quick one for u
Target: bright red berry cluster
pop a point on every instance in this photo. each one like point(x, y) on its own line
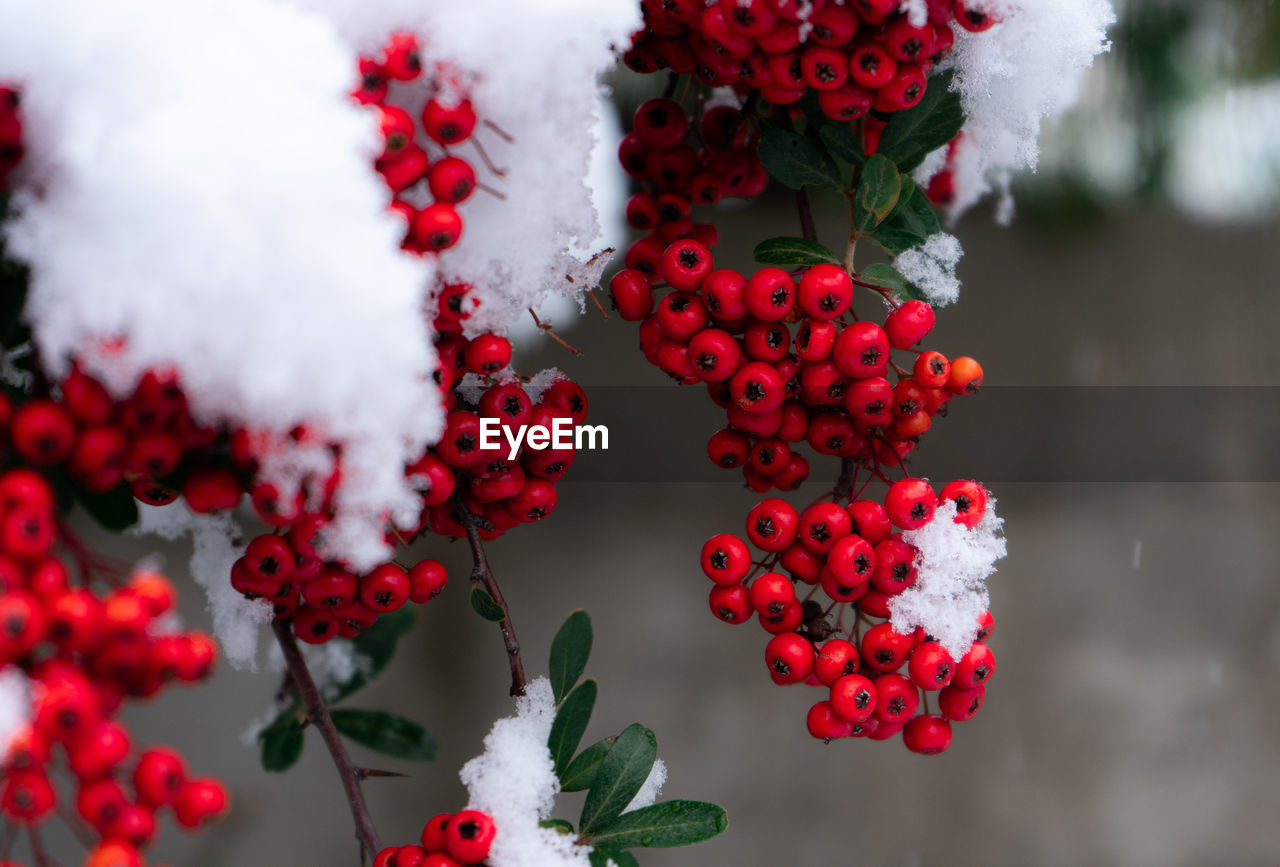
point(853, 555)
point(10, 133)
point(83, 653)
point(448, 840)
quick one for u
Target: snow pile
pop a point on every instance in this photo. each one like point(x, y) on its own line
point(215, 541)
point(651, 789)
point(15, 705)
point(931, 267)
point(514, 781)
point(1010, 77)
point(950, 592)
point(1226, 157)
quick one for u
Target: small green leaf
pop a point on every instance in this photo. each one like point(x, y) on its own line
point(485, 606)
point(281, 742)
point(793, 251)
point(601, 856)
point(910, 135)
point(671, 823)
point(386, 733)
point(838, 138)
point(374, 648)
point(564, 826)
point(910, 224)
point(114, 510)
point(794, 160)
point(569, 651)
point(619, 777)
point(884, 274)
point(571, 723)
point(582, 771)
point(875, 194)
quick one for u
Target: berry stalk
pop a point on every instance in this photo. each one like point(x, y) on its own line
point(480, 572)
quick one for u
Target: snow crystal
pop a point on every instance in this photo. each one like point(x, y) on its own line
point(15, 705)
point(214, 549)
point(951, 591)
point(1010, 77)
point(917, 11)
point(514, 781)
point(931, 267)
point(652, 788)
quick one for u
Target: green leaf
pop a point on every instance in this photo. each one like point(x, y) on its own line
point(600, 857)
point(386, 733)
point(910, 135)
point(374, 648)
point(875, 194)
point(571, 723)
point(910, 224)
point(581, 772)
point(619, 777)
point(794, 160)
point(485, 606)
point(564, 826)
point(793, 251)
point(671, 823)
point(281, 742)
point(569, 651)
point(838, 138)
point(114, 510)
point(884, 274)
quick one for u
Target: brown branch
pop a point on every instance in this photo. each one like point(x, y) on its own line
point(807, 226)
point(844, 485)
point(482, 574)
point(318, 713)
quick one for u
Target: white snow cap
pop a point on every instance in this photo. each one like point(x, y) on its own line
point(15, 705)
point(651, 789)
point(1012, 76)
point(950, 592)
point(514, 781)
point(931, 267)
point(199, 183)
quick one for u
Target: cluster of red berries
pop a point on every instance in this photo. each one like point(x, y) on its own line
point(825, 384)
point(448, 840)
point(855, 557)
point(81, 654)
point(859, 56)
point(10, 133)
point(407, 159)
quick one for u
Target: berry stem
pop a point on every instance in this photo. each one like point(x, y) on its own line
point(38, 854)
point(853, 239)
point(807, 227)
point(546, 328)
point(848, 474)
point(318, 713)
point(481, 573)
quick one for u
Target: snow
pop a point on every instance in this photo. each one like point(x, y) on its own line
point(950, 592)
point(215, 548)
point(651, 789)
point(931, 267)
point(15, 705)
point(514, 781)
point(917, 11)
point(1027, 67)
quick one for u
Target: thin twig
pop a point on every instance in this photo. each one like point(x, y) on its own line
point(807, 226)
point(853, 238)
point(546, 328)
point(844, 485)
point(318, 713)
point(481, 573)
point(599, 306)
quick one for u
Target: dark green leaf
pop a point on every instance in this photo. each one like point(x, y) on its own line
point(485, 606)
point(562, 825)
point(671, 823)
point(571, 723)
point(910, 135)
point(386, 733)
point(569, 651)
point(883, 274)
point(838, 137)
point(794, 160)
point(619, 777)
point(281, 742)
point(374, 648)
point(909, 225)
point(793, 251)
point(114, 510)
point(582, 771)
point(600, 857)
point(875, 194)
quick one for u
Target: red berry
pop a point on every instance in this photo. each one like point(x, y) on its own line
point(853, 698)
point(970, 499)
point(632, 294)
point(790, 658)
point(770, 294)
point(825, 725)
point(731, 604)
point(836, 658)
point(42, 432)
point(448, 125)
point(883, 649)
point(469, 835)
point(959, 704)
point(427, 579)
point(930, 666)
point(927, 735)
point(976, 667)
point(200, 800)
point(726, 559)
point(772, 525)
point(385, 588)
point(909, 324)
point(896, 698)
point(861, 350)
point(910, 503)
point(660, 123)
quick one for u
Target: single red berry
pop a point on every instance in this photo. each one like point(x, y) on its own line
point(970, 499)
point(714, 354)
point(451, 180)
point(772, 594)
point(731, 604)
point(660, 123)
point(972, 19)
point(822, 525)
point(959, 704)
point(861, 350)
point(758, 388)
point(725, 559)
point(930, 666)
point(469, 835)
point(904, 91)
point(315, 625)
point(790, 658)
point(824, 725)
point(200, 800)
point(42, 432)
point(836, 658)
point(823, 67)
point(927, 735)
point(909, 324)
point(965, 377)
point(871, 66)
point(632, 294)
point(883, 649)
point(976, 667)
point(427, 579)
point(853, 698)
point(896, 698)
point(158, 776)
point(448, 125)
point(772, 525)
point(910, 503)
point(385, 588)
point(212, 489)
point(436, 227)
point(770, 294)
point(870, 521)
point(895, 566)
